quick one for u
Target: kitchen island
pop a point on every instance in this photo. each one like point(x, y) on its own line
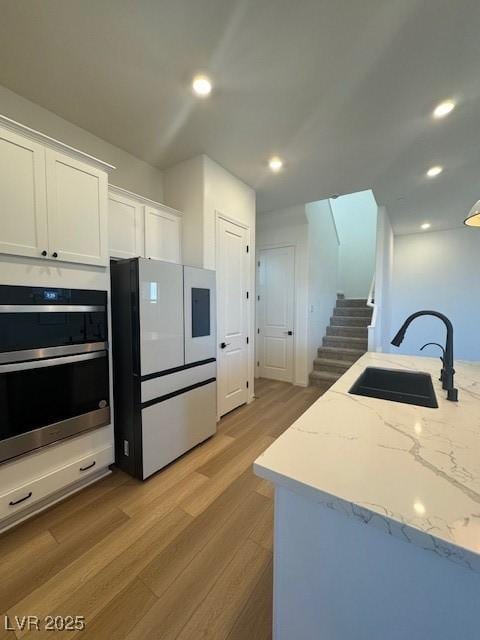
point(377, 513)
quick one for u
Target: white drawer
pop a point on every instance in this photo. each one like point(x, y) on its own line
point(24, 496)
point(163, 385)
point(172, 427)
point(25, 469)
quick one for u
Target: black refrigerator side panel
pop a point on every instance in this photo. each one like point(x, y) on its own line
point(126, 366)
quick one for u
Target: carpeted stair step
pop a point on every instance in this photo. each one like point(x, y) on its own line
point(324, 378)
point(348, 332)
point(359, 312)
point(352, 302)
point(345, 343)
point(334, 353)
point(350, 321)
point(333, 366)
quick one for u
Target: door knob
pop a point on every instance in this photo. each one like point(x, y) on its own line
point(288, 333)
point(44, 253)
point(224, 344)
point(54, 254)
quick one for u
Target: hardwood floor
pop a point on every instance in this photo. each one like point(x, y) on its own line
point(186, 554)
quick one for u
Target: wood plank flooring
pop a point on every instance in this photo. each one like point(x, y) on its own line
point(186, 554)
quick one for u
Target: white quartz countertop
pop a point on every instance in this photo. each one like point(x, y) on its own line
point(413, 472)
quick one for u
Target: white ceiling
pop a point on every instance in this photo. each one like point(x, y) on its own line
point(341, 89)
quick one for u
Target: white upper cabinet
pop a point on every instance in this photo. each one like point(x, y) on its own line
point(53, 198)
point(125, 226)
point(163, 234)
point(77, 210)
point(23, 217)
point(139, 227)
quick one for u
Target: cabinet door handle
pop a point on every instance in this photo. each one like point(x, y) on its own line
point(54, 254)
point(44, 253)
point(12, 503)
point(89, 466)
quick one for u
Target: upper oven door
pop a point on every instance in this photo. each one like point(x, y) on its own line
point(32, 331)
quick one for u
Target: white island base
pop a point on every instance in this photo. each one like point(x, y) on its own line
point(338, 579)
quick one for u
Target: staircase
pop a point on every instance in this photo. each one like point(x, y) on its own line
point(345, 342)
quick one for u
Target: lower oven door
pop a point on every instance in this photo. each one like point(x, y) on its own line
point(43, 401)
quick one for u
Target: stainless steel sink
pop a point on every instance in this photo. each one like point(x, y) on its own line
point(396, 385)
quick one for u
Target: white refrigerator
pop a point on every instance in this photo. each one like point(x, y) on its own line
point(164, 348)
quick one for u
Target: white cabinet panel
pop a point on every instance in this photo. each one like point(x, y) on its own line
point(77, 210)
point(23, 217)
point(163, 235)
point(125, 227)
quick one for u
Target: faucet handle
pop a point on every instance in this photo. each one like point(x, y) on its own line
point(428, 344)
point(442, 357)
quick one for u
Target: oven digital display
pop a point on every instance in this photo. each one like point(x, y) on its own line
point(50, 295)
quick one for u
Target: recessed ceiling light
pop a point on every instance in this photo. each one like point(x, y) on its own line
point(426, 225)
point(434, 171)
point(443, 109)
point(419, 507)
point(275, 164)
point(202, 86)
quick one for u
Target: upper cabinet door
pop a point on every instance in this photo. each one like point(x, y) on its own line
point(163, 235)
point(23, 216)
point(125, 227)
point(77, 210)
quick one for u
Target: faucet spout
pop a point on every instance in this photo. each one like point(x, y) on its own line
point(448, 370)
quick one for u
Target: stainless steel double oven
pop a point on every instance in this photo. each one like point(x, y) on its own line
point(54, 380)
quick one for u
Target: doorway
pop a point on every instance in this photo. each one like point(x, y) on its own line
point(275, 313)
point(232, 324)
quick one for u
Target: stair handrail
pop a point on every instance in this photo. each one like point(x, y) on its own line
point(372, 304)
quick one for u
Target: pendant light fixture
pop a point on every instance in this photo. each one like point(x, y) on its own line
point(473, 218)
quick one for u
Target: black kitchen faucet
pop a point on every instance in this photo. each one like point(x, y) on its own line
point(447, 373)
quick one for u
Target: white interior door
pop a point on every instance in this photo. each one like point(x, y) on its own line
point(232, 314)
point(276, 274)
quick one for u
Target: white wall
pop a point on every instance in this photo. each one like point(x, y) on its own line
point(380, 335)
point(356, 221)
point(289, 227)
point(201, 189)
point(438, 270)
point(323, 273)
point(227, 195)
point(131, 173)
point(184, 188)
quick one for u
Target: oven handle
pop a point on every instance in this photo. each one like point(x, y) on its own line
point(52, 352)
point(49, 308)
point(50, 362)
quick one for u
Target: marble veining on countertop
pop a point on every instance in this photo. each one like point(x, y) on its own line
point(413, 472)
